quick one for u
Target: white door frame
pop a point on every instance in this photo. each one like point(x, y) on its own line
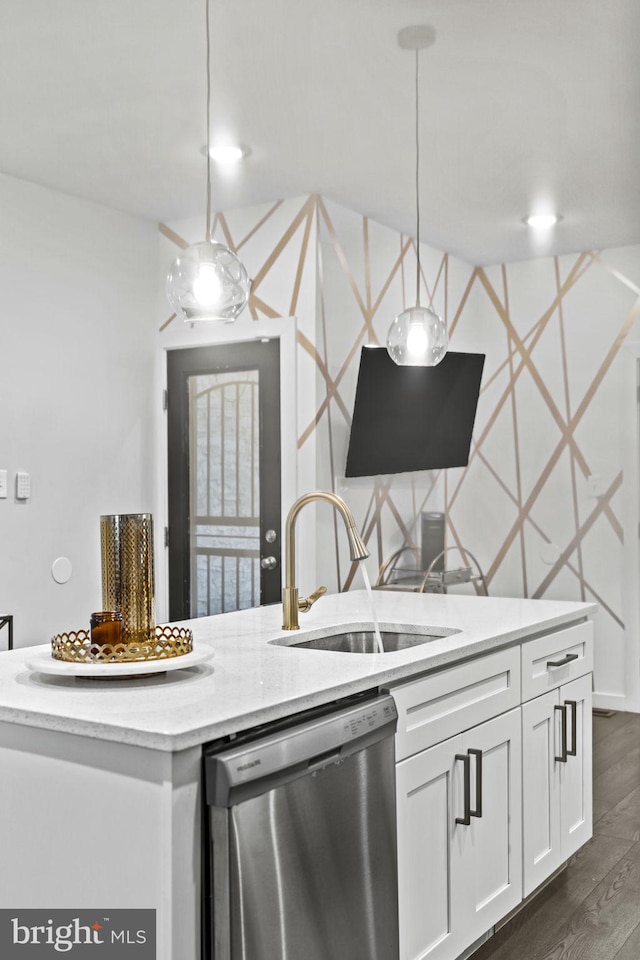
point(202, 335)
point(630, 574)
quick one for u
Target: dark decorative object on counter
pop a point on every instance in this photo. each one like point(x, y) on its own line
point(432, 541)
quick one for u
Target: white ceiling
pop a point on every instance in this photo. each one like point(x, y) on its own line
point(523, 102)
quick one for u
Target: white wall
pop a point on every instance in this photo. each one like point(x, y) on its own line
point(77, 315)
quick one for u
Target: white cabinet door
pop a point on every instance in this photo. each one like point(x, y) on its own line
point(490, 848)
point(557, 788)
point(576, 805)
point(541, 789)
point(425, 807)
point(456, 879)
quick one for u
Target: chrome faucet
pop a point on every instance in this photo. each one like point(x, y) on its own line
point(357, 551)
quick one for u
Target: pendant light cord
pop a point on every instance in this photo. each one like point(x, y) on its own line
point(208, 147)
point(417, 185)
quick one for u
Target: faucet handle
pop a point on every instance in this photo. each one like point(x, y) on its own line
point(305, 603)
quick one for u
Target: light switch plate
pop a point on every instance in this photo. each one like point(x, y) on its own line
point(23, 485)
point(3, 484)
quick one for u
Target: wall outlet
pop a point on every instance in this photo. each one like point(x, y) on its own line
point(3, 484)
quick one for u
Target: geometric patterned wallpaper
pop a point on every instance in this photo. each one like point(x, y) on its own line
point(548, 417)
point(551, 418)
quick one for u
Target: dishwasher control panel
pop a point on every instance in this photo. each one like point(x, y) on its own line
point(367, 718)
point(297, 749)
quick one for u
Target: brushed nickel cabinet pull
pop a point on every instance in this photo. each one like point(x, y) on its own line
point(561, 663)
point(574, 728)
point(563, 757)
point(478, 755)
point(466, 759)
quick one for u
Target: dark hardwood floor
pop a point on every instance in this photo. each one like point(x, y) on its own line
point(591, 911)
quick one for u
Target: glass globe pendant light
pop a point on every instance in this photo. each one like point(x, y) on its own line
point(418, 336)
point(207, 281)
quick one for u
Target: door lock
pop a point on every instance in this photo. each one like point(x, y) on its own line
point(271, 536)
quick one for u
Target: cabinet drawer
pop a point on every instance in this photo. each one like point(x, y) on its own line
point(556, 658)
point(440, 705)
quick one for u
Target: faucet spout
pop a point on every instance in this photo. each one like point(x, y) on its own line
point(357, 551)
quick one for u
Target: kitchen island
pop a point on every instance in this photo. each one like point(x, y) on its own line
point(100, 790)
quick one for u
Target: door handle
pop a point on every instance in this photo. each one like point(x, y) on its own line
point(466, 759)
point(565, 660)
point(478, 755)
point(574, 728)
point(268, 563)
point(563, 757)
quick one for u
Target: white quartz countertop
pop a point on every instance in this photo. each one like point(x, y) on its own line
point(250, 681)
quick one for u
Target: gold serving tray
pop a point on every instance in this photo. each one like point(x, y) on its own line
point(168, 642)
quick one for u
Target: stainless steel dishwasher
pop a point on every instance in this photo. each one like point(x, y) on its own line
point(301, 840)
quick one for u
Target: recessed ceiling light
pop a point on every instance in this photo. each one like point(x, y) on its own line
point(227, 153)
point(542, 221)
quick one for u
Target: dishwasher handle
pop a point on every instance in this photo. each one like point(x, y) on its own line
point(324, 760)
point(237, 774)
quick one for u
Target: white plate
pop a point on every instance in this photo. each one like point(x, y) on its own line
point(44, 663)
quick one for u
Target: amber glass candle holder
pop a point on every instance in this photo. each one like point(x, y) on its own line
point(106, 629)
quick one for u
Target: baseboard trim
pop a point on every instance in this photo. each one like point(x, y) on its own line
point(612, 701)
point(476, 946)
point(534, 893)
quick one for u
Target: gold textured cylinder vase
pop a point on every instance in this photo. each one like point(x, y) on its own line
point(127, 573)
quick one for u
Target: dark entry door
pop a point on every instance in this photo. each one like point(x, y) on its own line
point(224, 477)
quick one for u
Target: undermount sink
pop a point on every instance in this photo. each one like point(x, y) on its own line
point(364, 641)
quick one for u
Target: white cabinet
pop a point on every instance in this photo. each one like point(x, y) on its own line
point(87, 821)
point(557, 786)
point(459, 838)
point(521, 718)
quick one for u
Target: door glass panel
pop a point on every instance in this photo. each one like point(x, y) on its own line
point(224, 496)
